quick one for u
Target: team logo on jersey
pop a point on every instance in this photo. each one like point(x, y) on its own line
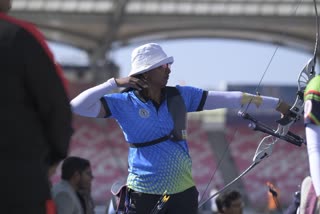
point(144, 113)
point(307, 108)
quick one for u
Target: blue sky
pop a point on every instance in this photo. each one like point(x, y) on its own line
point(211, 63)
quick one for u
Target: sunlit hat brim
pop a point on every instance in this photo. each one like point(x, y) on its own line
point(143, 69)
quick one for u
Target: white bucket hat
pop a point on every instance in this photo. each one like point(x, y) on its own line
point(148, 57)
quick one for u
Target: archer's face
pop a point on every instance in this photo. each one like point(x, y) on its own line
point(159, 76)
point(5, 5)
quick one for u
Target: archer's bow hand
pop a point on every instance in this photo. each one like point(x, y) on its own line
point(283, 107)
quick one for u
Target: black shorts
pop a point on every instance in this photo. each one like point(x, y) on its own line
point(185, 202)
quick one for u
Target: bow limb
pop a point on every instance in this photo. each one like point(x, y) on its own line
point(228, 185)
point(263, 151)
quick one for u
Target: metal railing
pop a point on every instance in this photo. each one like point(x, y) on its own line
point(189, 7)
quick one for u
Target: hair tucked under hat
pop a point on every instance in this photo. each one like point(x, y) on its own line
point(147, 57)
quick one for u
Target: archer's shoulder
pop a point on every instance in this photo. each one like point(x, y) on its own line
point(187, 88)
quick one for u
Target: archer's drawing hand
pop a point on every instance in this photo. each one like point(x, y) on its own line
point(131, 82)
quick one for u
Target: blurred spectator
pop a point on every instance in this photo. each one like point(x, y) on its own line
point(72, 193)
point(36, 116)
point(230, 202)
